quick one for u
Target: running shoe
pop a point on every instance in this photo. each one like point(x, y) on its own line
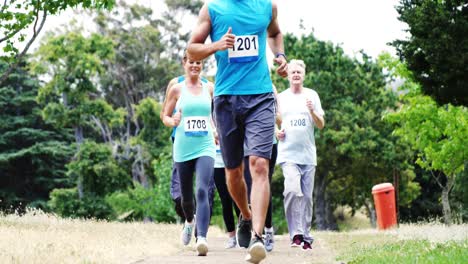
point(269, 239)
point(231, 242)
point(256, 252)
point(297, 241)
point(244, 232)
point(306, 246)
point(202, 246)
point(186, 234)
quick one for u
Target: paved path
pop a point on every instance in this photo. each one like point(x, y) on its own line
point(282, 254)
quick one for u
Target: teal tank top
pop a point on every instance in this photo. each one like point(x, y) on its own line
point(194, 135)
point(180, 79)
point(243, 69)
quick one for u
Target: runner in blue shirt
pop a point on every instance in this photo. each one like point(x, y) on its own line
point(244, 101)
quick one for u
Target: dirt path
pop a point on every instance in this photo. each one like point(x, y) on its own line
point(282, 254)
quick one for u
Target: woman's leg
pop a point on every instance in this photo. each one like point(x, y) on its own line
point(186, 170)
point(204, 172)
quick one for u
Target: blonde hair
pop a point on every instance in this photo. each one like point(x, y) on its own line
point(299, 63)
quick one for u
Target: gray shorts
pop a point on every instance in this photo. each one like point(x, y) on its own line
point(245, 121)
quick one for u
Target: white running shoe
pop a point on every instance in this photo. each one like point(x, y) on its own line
point(186, 234)
point(202, 246)
point(231, 242)
point(269, 239)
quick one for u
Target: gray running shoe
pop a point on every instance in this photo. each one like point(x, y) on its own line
point(256, 252)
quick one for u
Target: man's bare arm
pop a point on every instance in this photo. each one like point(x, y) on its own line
point(275, 41)
point(197, 49)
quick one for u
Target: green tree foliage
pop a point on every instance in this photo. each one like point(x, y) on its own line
point(142, 203)
point(99, 170)
point(154, 134)
point(138, 71)
point(17, 16)
point(356, 150)
point(437, 50)
point(100, 174)
point(142, 68)
point(33, 154)
point(66, 203)
point(74, 62)
point(437, 133)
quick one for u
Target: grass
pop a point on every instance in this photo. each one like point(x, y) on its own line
point(346, 222)
point(413, 251)
point(42, 238)
point(415, 243)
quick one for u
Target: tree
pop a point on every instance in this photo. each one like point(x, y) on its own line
point(355, 149)
point(140, 71)
point(33, 154)
point(437, 50)
point(17, 16)
point(74, 62)
point(438, 134)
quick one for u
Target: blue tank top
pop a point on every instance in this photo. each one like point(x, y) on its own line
point(243, 69)
point(194, 135)
point(180, 79)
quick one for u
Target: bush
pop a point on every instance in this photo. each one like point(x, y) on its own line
point(100, 172)
point(65, 202)
point(139, 203)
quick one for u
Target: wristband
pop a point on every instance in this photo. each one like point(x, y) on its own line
point(281, 54)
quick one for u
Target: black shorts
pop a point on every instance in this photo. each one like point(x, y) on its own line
point(245, 121)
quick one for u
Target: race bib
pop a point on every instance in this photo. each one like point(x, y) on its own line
point(245, 49)
point(196, 126)
point(297, 122)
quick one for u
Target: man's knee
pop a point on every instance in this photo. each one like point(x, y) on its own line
point(259, 167)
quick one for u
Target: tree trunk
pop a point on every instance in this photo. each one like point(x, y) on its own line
point(324, 217)
point(445, 200)
point(372, 216)
point(331, 220)
point(79, 140)
point(138, 167)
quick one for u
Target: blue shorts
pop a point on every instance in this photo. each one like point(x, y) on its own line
point(245, 121)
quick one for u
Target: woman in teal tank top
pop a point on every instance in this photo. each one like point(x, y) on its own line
point(194, 148)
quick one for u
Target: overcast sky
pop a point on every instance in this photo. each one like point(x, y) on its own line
point(354, 24)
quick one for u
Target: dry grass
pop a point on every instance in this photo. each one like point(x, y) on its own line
point(433, 232)
point(42, 238)
point(346, 222)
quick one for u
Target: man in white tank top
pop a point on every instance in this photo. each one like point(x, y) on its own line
point(301, 111)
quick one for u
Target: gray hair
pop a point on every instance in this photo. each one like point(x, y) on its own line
point(299, 63)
